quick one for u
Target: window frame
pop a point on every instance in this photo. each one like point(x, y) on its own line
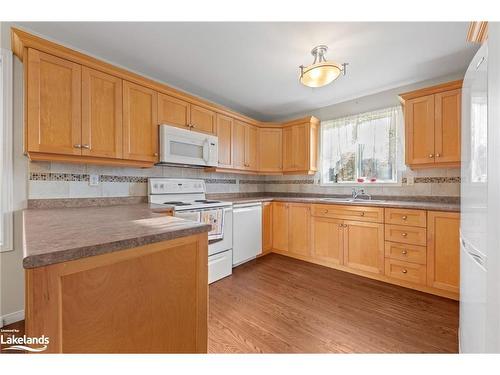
point(399, 173)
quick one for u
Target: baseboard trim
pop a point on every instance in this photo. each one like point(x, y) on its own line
point(7, 319)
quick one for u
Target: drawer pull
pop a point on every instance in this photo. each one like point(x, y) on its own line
point(404, 252)
point(404, 270)
point(404, 234)
point(431, 155)
point(362, 214)
point(404, 217)
point(325, 211)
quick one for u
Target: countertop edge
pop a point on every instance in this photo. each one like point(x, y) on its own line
point(41, 260)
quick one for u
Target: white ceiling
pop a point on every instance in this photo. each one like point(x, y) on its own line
point(253, 67)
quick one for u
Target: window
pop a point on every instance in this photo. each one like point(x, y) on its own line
point(6, 188)
point(362, 149)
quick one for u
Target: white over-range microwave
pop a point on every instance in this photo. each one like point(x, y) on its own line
point(186, 147)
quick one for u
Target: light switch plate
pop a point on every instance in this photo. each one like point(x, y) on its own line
point(410, 180)
point(93, 179)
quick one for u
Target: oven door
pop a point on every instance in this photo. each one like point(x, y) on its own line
point(186, 147)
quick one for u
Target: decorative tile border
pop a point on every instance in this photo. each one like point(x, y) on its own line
point(434, 180)
point(289, 182)
point(220, 181)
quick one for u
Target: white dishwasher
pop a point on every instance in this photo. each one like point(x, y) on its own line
point(247, 232)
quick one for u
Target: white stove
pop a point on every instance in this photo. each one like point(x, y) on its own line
point(188, 196)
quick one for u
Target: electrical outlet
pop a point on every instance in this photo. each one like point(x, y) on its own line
point(410, 180)
point(93, 179)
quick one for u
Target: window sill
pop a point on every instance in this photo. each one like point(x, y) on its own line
point(362, 184)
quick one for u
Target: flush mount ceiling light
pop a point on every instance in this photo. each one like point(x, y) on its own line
point(320, 72)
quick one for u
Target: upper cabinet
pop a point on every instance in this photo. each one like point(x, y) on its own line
point(53, 108)
point(225, 136)
point(432, 123)
point(202, 119)
point(271, 149)
point(140, 124)
point(173, 111)
point(245, 146)
point(300, 146)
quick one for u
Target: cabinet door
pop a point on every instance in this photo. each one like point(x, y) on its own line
point(225, 135)
point(419, 118)
point(53, 107)
point(173, 111)
point(280, 226)
point(288, 159)
point(327, 239)
point(270, 150)
point(447, 136)
point(267, 227)
point(300, 142)
point(101, 114)
point(443, 250)
point(251, 144)
point(140, 124)
point(239, 144)
point(364, 246)
point(202, 119)
point(299, 229)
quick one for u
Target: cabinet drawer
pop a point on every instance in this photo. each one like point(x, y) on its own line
point(412, 272)
point(404, 234)
point(359, 213)
point(398, 216)
point(406, 252)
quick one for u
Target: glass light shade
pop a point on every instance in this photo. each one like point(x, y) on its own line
point(320, 74)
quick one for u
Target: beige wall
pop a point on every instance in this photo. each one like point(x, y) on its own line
point(11, 271)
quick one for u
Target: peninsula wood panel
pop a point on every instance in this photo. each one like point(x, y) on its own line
point(225, 136)
point(299, 228)
point(419, 119)
point(448, 126)
point(173, 111)
point(327, 239)
point(443, 250)
point(267, 227)
point(140, 123)
point(280, 226)
point(150, 299)
point(270, 150)
point(364, 246)
point(53, 111)
point(101, 114)
point(202, 119)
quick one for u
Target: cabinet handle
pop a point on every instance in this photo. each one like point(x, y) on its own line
point(77, 146)
point(345, 225)
point(404, 234)
point(155, 154)
point(325, 211)
point(404, 252)
point(404, 270)
point(193, 125)
point(438, 155)
point(86, 146)
point(431, 156)
point(362, 214)
point(404, 217)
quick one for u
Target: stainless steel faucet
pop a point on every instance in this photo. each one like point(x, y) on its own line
point(360, 193)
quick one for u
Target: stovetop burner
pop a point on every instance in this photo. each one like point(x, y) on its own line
point(178, 203)
point(206, 201)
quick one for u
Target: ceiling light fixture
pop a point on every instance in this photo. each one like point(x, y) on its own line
point(320, 72)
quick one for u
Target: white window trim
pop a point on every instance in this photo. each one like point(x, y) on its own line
point(364, 185)
point(6, 160)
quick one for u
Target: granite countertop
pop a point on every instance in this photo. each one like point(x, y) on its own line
point(56, 235)
point(421, 205)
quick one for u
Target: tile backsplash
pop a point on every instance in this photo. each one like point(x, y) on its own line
point(57, 180)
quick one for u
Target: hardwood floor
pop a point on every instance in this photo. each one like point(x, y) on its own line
point(277, 304)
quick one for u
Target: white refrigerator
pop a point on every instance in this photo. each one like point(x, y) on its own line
point(479, 327)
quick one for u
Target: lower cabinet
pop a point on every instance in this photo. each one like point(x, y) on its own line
point(299, 219)
point(267, 227)
point(280, 226)
point(327, 239)
point(364, 246)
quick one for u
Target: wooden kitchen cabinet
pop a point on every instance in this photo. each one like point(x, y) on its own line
point(364, 246)
point(245, 140)
point(280, 226)
point(270, 149)
point(101, 114)
point(300, 146)
point(140, 123)
point(432, 123)
point(251, 148)
point(202, 119)
point(327, 239)
point(225, 135)
point(173, 111)
point(443, 250)
point(299, 228)
point(267, 227)
point(53, 107)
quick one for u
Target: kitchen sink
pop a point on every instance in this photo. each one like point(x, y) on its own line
point(352, 200)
